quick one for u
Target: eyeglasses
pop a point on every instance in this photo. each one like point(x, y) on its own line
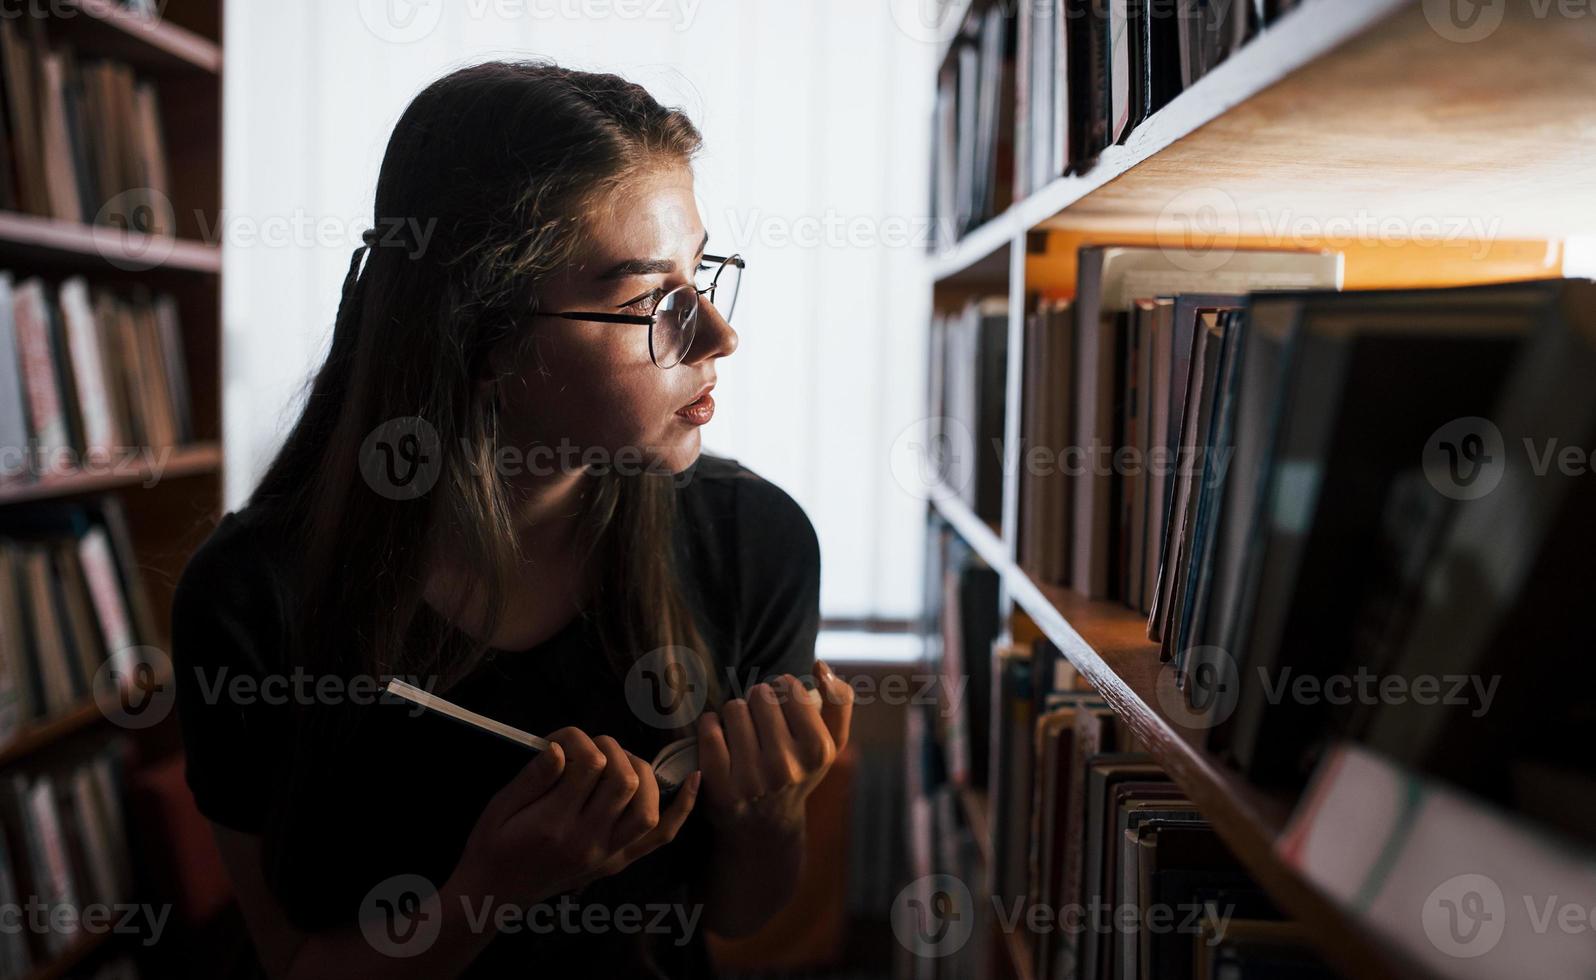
point(675, 317)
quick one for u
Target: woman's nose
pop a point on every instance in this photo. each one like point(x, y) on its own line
point(714, 336)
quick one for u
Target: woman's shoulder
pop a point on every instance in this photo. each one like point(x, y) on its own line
point(771, 555)
point(232, 586)
point(764, 515)
point(238, 550)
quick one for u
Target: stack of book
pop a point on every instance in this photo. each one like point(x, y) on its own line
point(64, 860)
point(1088, 72)
point(968, 401)
point(87, 375)
point(70, 596)
point(972, 154)
point(1109, 375)
point(79, 135)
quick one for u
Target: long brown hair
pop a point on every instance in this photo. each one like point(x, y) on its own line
point(483, 189)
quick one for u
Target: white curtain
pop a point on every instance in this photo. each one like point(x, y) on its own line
point(816, 115)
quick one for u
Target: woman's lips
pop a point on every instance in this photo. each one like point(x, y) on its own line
point(698, 412)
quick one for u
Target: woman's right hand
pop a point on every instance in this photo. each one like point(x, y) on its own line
point(582, 810)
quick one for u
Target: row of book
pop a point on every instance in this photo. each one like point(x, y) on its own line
point(1089, 72)
point(1187, 414)
point(1084, 818)
point(1129, 878)
point(967, 398)
point(80, 134)
point(943, 850)
point(972, 155)
point(70, 597)
point(1107, 375)
point(1395, 492)
point(65, 851)
point(1033, 91)
point(87, 372)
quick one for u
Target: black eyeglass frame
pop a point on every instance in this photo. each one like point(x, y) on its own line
point(720, 262)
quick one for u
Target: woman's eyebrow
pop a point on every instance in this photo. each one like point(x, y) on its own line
point(646, 267)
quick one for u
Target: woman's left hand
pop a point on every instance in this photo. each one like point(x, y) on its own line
point(762, 756)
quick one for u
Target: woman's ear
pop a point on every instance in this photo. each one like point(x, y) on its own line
point(499, 362)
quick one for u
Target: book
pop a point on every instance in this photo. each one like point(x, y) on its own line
point(1454, 883)
point(673, 763)
point(17, 701)
point(1045, 435)
point(47, 420)
point(1110, 279)
point(83, 351)
point(1343, 468)
point(82, 135)
point(13, 393)
point(15, 960)
point(1499, 577)
point(1196, 415)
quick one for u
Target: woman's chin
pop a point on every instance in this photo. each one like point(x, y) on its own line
point(683, 453)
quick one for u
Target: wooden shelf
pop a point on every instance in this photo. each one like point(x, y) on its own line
point(103, 28)
point(35, 240)
point(1108, 644)
point(194, 460)
point(85, 946)
point(1349, 117)
point(981, 256)
point(38, 735)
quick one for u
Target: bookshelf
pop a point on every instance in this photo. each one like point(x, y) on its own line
point(1295, 121)
point(1340, 110)
point(1108, 644)
point(169, 495)
point(180, 53)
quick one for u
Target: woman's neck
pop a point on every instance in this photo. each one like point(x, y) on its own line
point(546, 517)
point(546, 510)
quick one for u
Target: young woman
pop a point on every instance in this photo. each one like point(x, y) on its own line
point(496, 492)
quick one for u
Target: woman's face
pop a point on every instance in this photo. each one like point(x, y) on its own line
point(589, 392)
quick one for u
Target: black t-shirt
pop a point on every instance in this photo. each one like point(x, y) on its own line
point(400, 791)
